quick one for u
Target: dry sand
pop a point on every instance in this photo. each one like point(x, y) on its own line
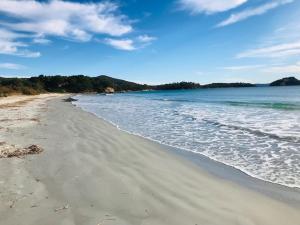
point(90, 173)
point(16, 112)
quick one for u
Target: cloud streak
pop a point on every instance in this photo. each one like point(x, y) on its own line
point(127, 44)
point(287, 69)
point(274, 51)
point(242, 68)
point(146, 38)
point(121, 44)
point(245, 14)
point(10, 46)
point(209, 6)
point(11, 66)
point(42, 41)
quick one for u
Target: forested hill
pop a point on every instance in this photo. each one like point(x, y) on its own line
point(80, 84)
point(176, 86)
point(85, 84)
point(66, 84)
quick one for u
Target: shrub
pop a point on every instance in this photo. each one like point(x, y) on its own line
point(29, 91)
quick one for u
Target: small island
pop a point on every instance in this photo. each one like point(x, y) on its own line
point(287, 81)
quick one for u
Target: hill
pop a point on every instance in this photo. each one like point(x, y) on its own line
point(79, 84)
point(86, 84)
point(65, 84)
point(287, 81)
point(176, 86)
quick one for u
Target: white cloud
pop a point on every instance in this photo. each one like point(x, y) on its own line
point(209, 6)
point(11, 66)
point(42, 41)
point(28, 54)
point(287, 33)
point(37, 21)
point(279, 50)
point(242, 68)
point(292, 68)
point(10, 46)
point(245, 14)
point(282, 43)
point(146, 38)
point(9, 35)
point(129, 44)
point(77, 21)
point(121, 44)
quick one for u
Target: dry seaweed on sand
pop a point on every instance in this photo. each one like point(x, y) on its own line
point(9, 151)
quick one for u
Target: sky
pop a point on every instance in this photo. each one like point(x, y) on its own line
point(152, 41)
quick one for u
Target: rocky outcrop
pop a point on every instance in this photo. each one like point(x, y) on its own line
point(109, 90)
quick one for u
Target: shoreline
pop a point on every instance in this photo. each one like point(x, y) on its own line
point(257, 152)
point(221, 170)
point(93, 173)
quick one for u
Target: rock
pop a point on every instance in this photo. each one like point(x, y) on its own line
point(70, 99)
point(109, 90)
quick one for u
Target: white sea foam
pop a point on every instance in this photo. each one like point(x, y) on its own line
point(263, 142)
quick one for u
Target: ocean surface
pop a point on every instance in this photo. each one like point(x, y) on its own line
point(256, 130)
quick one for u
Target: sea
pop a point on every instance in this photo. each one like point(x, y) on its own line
point(255, 129)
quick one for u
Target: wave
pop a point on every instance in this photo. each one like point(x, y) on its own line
point(260, 142)
point(292, 139)
point(240, 168)
point(271, 105)
point(174, 100)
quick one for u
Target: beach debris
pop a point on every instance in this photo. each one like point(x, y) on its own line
point(61, 208)
point(20, 119)
point(108, 218)
point(14, 201)
point(147, 212)
point(9, 151)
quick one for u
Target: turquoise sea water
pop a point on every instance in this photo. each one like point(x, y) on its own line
point(256, 130)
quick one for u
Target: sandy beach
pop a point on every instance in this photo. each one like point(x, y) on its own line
point(91, 173)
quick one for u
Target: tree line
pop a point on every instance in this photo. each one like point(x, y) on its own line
point(86, 84)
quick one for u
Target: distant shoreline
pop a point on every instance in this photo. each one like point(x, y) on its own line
point(106, 84)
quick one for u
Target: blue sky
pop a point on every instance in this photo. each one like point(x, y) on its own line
point(152, 41)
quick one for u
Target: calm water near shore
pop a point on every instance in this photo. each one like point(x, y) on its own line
point(256, 130)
